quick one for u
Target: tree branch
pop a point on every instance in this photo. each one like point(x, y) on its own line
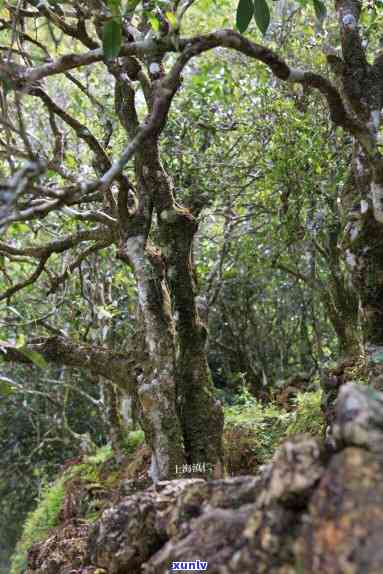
point(31, 279)
point(112, 365)
point(57, 246)
point(356, 70)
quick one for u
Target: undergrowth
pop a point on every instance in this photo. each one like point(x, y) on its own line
point(39, 522)
point(307, 417)
point(253, 430)
point(47, 512)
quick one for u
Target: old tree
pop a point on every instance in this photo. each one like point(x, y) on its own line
point(78, 181)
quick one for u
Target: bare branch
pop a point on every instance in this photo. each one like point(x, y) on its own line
point(167, 87)
point(57, 281)
point(82, 131)
point(31, 279)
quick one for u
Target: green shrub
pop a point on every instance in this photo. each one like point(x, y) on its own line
point(252, 432)
point(46, 514)
point(134, 440)
point(101, 455)
point(38, 523)
point(307, 417)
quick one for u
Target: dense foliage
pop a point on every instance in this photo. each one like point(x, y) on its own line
point(168, 221)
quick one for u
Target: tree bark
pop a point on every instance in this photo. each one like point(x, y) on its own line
point(157, 381)
point(361, 88)
point(363, 248)
point(199, 413)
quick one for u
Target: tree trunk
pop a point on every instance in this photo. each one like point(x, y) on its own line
point(157, 381)
point(180, 417)
point(110, 393)
point(200, 413)
point(363, 248)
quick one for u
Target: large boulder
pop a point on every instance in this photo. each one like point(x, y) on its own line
point(128, 534)
point(343, 530)
point(359, 418)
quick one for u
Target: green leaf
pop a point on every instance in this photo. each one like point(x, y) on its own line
point(171, 18)
point(112, 39)
point(35, 357)
point(245, 13)
point(6, 388)
point(262, 15)
point(20, 341)
point(155, 23)
point(320, 10)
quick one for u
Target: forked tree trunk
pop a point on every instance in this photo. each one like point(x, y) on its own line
point(200, 413)
point(181, 419)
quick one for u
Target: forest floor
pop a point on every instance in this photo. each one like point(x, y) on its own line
point(87, 487)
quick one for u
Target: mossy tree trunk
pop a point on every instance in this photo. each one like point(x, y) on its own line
point(363, 248)
point(182, 420)
point(362, 90)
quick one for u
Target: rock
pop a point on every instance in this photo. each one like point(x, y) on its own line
point(64, 551)
point(359, 418)
point(267, 543)
point(128, 534)
point(125, 536)
point(294, 470)
point(244, 525)
point(198, 497)
point(212, 537)
point(344, 529)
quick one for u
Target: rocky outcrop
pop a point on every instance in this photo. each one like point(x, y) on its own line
point(344, 526)
point(307, 511)
point(253, 528)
